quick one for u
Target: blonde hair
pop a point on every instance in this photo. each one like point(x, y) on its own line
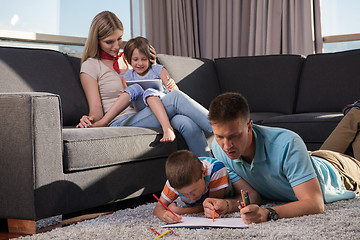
point(102, 26)
point(183, 168)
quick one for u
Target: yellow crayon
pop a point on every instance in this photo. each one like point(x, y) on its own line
point(163, 234)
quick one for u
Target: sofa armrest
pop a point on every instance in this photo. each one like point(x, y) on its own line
point(30, 148)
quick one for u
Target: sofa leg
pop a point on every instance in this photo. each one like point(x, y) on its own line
point(20, 226)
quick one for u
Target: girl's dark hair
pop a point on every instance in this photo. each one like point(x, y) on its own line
point(141, 43)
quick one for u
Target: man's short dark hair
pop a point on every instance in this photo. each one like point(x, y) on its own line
point(227, 107)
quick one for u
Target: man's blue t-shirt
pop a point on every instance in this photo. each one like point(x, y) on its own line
point(282, 162)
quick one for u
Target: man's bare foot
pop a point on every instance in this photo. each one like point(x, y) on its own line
point(168, 136)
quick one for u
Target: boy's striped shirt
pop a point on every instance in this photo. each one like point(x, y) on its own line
point(216, 178)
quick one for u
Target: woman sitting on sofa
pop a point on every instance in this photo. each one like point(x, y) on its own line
point(101, 77)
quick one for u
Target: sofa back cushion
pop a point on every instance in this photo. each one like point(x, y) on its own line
point(39, 70)
point(329, 82)
point(269, 83)
point(196, 77)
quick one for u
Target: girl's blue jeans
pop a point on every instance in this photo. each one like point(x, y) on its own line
point(186, 116)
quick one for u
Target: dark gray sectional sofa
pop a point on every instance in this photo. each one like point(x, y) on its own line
point(303, 94)
point(48, 167)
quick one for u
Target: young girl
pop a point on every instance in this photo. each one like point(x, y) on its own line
point(137, 54)
point(101, 74)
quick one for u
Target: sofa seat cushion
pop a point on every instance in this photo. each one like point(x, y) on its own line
point(100, 147)
point(258, 117)
point(313, 128)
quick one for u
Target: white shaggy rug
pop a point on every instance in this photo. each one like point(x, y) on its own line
point(341, 220)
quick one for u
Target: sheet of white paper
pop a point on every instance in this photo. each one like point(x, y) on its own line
point(196, 222)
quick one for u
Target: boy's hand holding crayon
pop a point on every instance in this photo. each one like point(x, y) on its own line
point(220, 206)
point(174, 208)
point(167, 214)
point(168, 217)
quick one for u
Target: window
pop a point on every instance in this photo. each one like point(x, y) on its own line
point(55, 20)
point(340, 25)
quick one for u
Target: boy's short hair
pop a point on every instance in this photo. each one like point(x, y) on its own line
point(183, 168)
point(227, 107)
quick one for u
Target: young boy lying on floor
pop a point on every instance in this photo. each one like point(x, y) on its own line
point(192, 179)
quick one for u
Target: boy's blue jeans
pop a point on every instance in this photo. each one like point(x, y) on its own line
point(186, 116)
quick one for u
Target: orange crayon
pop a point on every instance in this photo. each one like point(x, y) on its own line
point(214, 212)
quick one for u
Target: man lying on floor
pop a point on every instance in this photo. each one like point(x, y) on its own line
point(274, 164)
